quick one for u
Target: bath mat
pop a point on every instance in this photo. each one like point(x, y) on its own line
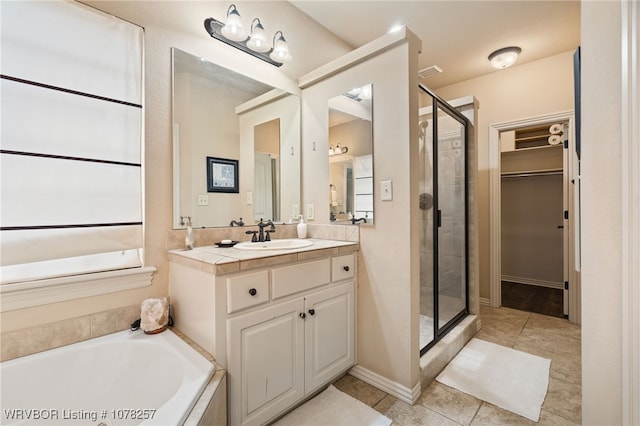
point(333, 408)
point(511, 379)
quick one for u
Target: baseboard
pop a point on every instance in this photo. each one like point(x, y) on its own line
point(403, 393)
point(532, 281)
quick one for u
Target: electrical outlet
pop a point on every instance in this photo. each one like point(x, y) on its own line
point(203, 200)
point(311, 212)
point(249, 198)
point(295, 210)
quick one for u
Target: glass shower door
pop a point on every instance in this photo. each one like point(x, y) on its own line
point(451, 218)
point(443, 228)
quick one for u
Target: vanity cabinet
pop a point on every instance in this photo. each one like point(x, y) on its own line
point(281, 332)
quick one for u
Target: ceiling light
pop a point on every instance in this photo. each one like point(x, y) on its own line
point(233, 29)
point(505, 57)
point(258, 41)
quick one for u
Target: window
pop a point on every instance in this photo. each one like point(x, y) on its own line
point(71, 147)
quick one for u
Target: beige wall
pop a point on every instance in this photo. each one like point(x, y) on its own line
point(536, 88)
point(180, 24)
point(602, 297)
point(388, 274)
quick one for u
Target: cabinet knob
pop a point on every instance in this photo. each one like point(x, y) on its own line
point(253, 291)
point(346, 268)
point(312, 312)
point(302, 315)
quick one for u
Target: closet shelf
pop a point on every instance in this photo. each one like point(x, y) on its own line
point(525, 173)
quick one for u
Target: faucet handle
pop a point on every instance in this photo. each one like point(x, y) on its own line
point(269, 231)
point(254, 238)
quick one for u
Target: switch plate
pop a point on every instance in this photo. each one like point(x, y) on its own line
point(203, 200)
point(311, 212)
point(295, 210)
point(249, 198)
point(386, 190)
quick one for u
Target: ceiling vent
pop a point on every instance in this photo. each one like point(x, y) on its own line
point(429, 71)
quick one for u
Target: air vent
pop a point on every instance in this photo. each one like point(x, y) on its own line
point(429, 71)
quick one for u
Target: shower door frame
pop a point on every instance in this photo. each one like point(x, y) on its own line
point(440, 332)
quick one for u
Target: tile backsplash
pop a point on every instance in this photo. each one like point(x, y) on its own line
point(31, 340)
point(210, 236)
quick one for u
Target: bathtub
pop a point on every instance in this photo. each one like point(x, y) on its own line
point(125, 378)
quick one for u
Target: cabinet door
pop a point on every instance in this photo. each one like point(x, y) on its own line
point(329, 334)
point(266, 362)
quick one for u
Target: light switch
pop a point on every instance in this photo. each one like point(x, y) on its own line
point(386, 190)
point(311, 212)
point(249, 198)
point(203, 200)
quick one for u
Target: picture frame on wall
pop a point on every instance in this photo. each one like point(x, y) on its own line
point(222, 175)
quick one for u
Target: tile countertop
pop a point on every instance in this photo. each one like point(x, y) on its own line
point(218, 260)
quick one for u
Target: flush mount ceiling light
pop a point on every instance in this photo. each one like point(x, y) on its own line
point(232, 33)
point(505, 57)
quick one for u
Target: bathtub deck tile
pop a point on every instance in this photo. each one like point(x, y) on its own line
point(107, 322)
point(48, 336)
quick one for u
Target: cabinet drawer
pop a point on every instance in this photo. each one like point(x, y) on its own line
point(296, 278)
point(342, 267)
point(247, 290)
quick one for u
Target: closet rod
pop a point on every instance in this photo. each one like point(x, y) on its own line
point(530, 174)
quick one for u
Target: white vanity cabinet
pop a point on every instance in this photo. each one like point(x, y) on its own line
point(304, 338)
point(281, 332)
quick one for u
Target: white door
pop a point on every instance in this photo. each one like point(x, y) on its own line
point(329, 334)
point(266, 362)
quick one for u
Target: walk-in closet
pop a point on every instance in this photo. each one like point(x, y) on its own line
point(533, 203)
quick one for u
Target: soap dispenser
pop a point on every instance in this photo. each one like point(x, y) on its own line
point(302, 228)
point(188, 238)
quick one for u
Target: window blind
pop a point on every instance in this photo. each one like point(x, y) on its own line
point(71, 141)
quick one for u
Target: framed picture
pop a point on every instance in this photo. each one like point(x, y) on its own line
point(222, 175)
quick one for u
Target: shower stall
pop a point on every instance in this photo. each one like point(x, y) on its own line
point(444, 271)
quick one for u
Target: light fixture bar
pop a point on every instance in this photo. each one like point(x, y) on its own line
point(214, 28)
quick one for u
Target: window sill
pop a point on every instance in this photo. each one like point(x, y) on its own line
point(53, 290)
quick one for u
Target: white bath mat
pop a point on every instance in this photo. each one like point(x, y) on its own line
point(511, 379)
point(333, 408)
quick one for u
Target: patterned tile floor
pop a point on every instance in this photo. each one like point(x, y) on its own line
point(553, 338)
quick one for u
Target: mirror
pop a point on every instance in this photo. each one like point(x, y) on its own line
point(351, 156)
point(221, 117)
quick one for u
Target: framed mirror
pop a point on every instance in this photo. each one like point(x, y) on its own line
point(351, 157)
point(247, 127)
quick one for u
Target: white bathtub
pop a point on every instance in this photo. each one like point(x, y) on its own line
point(125, 378)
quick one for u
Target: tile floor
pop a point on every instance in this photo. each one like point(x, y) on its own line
point(553, 338)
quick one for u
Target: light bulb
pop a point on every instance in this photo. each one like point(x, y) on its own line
point(258, 40)
point(234, 29)
point(280, 51)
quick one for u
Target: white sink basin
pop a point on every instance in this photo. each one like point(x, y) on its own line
point(284, 244)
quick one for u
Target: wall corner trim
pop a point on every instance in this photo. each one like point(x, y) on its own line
point(403, 393)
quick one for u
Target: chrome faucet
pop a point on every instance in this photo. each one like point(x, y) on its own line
point(237, 222)
point(262, 225)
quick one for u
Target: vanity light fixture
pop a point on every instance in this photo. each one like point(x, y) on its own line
point(233, 29)
point(258, 41)
point(232, 33)
point(505, 57)
point(280, 52)
point(337, 150)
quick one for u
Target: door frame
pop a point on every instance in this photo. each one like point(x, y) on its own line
point(495, 219)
